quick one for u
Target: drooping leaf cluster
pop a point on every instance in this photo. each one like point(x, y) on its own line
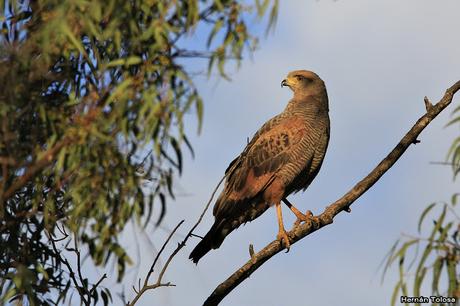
point(435, 261)
point(431, 259)
point(93, 100)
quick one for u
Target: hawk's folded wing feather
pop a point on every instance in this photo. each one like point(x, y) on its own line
point(272, 147)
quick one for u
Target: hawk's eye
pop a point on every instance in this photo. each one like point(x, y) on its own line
point(299, 78)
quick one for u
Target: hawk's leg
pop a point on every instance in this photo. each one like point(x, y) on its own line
point(300, 216)
point(282, 235)
point(308, 216)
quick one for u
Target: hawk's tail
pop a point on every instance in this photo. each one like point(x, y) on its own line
point(212, 240)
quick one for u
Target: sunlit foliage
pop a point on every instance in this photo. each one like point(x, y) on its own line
point(93, 100)
point(430, 260)
point(454, 152)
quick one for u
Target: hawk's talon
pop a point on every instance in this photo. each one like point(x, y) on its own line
point(303, 218)
point(273, 165)
point(297, 222)
point(307, 217)
point(316, 222)
point(282, 235)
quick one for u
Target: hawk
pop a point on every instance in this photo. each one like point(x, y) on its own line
point(283, 157)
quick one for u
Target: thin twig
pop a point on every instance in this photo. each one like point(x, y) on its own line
point(77, 252)
point(431, 241)
point(146, 286)
point(83, 292)
point(140, 165)
point(198, 236)
point(444, 163)
point(97, 284)
point(64, 260)
point(180, 245)
point(159, 253)
point(204, 211)
point(326, 218)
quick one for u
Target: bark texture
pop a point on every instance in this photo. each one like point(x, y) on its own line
point(342, 204)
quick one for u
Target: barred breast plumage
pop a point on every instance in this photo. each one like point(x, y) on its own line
point(283, 157)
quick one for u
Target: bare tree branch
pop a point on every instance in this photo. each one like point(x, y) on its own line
point(342, 204)
point(158, 283)
point(80, 283)
point(96, 285)
point(180, 245)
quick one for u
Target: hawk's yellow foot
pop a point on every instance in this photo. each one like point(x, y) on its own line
point(308, 216)
point(284, 156)
point(282, 235)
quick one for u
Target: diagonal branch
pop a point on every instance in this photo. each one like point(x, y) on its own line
point(158, 283)
point(180, 245)
point(47, 158)
point(342, 204)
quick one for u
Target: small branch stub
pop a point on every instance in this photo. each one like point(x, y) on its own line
point(251, 253)
point(428, 104)
point(342, 204)
point(251, 250)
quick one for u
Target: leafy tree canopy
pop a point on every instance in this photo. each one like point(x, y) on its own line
point(87, 89)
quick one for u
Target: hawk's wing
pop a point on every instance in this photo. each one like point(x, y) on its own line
point(271, 148)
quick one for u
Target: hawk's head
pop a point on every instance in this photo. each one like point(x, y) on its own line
point(303, 81)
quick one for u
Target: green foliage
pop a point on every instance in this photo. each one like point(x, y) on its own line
point(436, 255)
point(454, 151)
point(88, 88)
point(440, 258)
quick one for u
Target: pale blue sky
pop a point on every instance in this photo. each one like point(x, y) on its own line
point(378, 60)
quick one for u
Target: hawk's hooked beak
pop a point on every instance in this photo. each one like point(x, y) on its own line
point(284, 83)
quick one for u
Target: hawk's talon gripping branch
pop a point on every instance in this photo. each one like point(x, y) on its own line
point(327, 216)
point(282, 236)
point(283, 157)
